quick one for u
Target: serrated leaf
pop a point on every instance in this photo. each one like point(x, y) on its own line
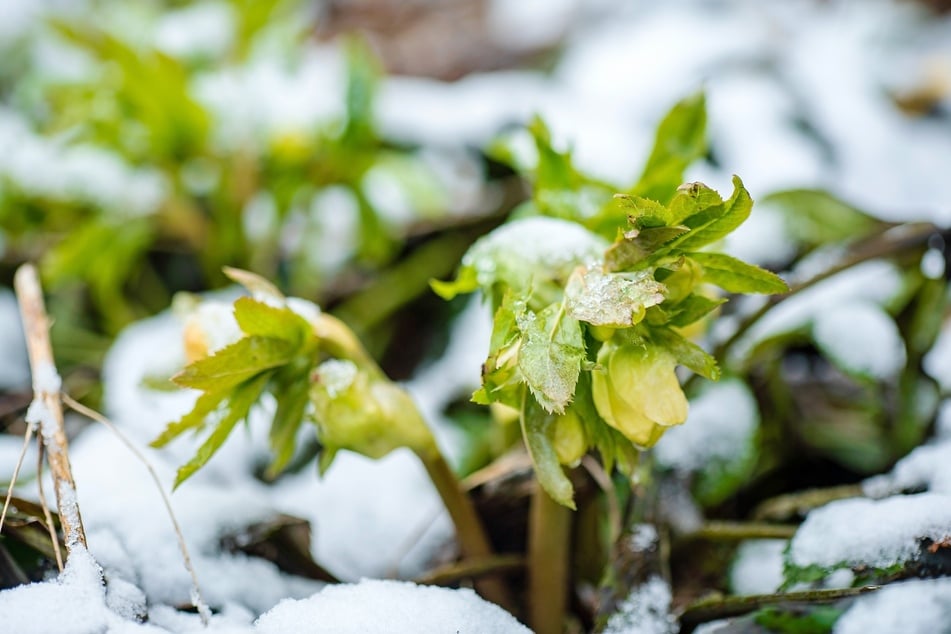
point(637, 245)
point(195, 419)
point(692, 199)
point(680, 140)
point(538, 431)
point(643, 212)
point(291, 405)
point(466, 282)
point(687, 353)
point(736, 276)
point(263, 320)
point(718, 221)
point(236, 409)
point(550, 355)
point(693, 308)
point(235, 363)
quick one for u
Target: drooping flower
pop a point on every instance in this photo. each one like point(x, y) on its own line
point(637, 391)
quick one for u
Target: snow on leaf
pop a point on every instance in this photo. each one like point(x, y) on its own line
point(532, 249)
point(550, 355)
point(611, 299)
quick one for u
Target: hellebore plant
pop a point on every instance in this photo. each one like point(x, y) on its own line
point(594, 294)
point(318, 372)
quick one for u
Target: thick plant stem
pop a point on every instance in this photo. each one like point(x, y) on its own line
point(473, 540)
point(549, 542)
point(46, 407)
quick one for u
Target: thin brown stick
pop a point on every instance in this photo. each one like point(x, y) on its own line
point(46, 407)
point(47, 516)
point(16, 474)
point(197, 599)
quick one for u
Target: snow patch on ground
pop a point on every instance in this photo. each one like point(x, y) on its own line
point(911, 607)
point(876, 533)
point(758, 566)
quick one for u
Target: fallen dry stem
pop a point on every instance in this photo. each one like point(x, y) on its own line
point(76, 406)
point(46, 401)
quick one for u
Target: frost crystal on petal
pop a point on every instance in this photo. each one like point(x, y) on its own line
point(611, 299)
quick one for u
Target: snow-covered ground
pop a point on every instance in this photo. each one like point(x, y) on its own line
point(800, 94)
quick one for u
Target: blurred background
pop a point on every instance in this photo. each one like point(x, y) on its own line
point(352, 151)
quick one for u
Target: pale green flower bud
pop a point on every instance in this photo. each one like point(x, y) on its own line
point(637, 392)
point(569, 441)
point(368, 415)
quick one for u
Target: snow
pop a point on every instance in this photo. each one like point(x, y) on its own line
point(875, 533)
point(720, 427)
point(50, 169)
point(397, 608)
point(758, 566)
point(72, 604)
point(206, 29)
point(937, 362)
point(538, 246)
point(910, 607)
point(269, 99)
point(613, 299)
point(927, 467)
point(645, 610)
point(875, 282)
point(861, 338)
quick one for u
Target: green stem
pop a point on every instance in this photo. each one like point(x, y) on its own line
point(707, 610)
point(738, 531)
point(472, 537)
point(548, 556)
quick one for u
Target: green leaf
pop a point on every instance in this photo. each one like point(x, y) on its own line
point(363, 76)
point(681, 139)
point(554, 170)
point(538, 431)
point(466, 282)
point(817, 217)
point(718, 221)
point(736, 276)
point(195, 419)
point(550, 356)
point(643, 212)
point(236, 363)
point(239, 404)
point(636, 246)
point(291, 405)
point(687, 353)
point(692, 308)
point(692, 199)
point(256, 318)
